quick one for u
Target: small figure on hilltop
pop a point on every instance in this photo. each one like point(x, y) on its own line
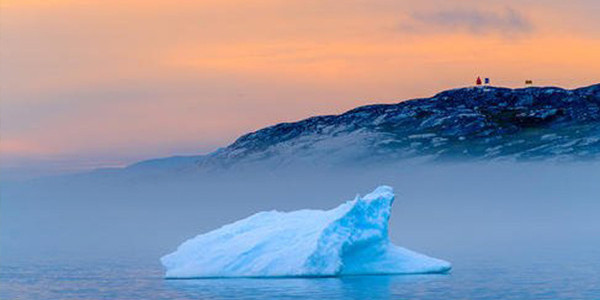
point(478, 81)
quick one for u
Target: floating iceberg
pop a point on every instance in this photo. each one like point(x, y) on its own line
point(351, 239)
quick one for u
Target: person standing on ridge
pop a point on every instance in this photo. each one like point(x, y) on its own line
point(478, 81)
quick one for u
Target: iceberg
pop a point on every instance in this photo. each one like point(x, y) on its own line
point(351, 239)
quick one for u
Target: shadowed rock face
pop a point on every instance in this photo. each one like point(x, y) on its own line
point(486, 123)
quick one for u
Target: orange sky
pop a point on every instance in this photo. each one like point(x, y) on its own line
point(93, 83)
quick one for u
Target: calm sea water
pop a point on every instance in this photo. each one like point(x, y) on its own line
point(560, 276)
point(511, 232)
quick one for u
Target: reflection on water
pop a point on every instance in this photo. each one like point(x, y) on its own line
point(554, 277)
point(352, 287)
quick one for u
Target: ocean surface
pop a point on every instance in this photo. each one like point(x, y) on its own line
point(510, 231)
point(549, 275)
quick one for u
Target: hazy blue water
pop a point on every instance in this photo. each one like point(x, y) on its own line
point(544, 277)
point(514, 232)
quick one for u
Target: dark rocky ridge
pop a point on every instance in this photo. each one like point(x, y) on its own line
point(475, 123)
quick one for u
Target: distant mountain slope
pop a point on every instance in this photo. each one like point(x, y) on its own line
point(476, 123)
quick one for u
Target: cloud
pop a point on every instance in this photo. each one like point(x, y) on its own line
point(476, 21)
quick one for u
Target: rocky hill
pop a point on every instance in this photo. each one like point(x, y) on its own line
point(475, 123)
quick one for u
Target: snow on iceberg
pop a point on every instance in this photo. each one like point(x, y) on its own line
point(351, 239)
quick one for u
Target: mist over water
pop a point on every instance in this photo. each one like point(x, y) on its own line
point(514, 218)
